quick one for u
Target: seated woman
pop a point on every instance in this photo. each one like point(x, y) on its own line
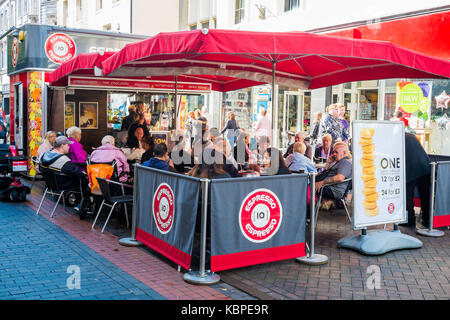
point(222, 147)
point(297, 161)
point(210, 171)
point(47, 144)
point(180, 157)
point(133, 148)
point(148, 144)
point(273, 168)
point(241, 150)
point(108, 153)
point(324, 151)
point(77, 153)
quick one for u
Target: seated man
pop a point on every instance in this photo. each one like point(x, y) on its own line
point(299, 137)
point(58, 159)
point(161, 159)
point(339, 171)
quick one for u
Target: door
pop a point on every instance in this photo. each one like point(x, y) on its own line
point(18, 115)
point(292, 114)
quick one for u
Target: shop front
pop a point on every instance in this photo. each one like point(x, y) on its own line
point(33, 52)
point(98, 105)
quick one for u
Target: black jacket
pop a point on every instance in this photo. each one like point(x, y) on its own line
point(127, 121)
point(416, 159)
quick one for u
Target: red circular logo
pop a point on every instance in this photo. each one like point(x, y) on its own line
point(60, 48)
point(260, 215)
point(391, 208)
point(163, 208)
point(14, 52)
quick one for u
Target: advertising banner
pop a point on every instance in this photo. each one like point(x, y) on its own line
point(441, 217)
point(166, 212)
point(378, 173)
point(254, 220)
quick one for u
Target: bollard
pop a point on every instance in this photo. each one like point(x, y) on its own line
point(131, 241)
point(312, 258)
point(430, 232)
point(202, 276)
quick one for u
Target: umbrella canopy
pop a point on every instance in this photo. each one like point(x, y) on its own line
point(86, 63)
point(297, 59)
point(82, 64)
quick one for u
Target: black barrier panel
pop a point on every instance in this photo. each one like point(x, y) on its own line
point(257, 220)
point(166, 212)
point(441, 217)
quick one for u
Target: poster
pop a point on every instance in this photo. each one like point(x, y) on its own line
point(69, 114)
point(413, 98)
point(88, 115)
point(378, 173)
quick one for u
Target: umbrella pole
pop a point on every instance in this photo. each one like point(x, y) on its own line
point(175, 100)
point(274, 138)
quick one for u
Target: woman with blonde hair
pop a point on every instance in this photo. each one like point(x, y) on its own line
point(324, 151)
point(297, 161)
point(77, 153)
point(47, 143)
point(316, 125)
point(231, 128)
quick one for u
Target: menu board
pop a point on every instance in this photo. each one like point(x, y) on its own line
point(378, 173)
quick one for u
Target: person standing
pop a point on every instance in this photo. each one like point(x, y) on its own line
point(341, 116)
point(264, 125)
point(129, 119)
point(331, 124)
point(316, 125)
point(418, 171)
point(231, 128)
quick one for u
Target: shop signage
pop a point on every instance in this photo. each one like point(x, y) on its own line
point(147, 85)
point(14, 52)
point(378, 173)
point(163, 208)
point(260, 215)
point(60, 48)
point(414, 96)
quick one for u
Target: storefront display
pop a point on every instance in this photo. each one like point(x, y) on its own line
point(240, 103)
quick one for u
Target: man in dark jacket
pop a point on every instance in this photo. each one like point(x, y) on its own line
point(417, 175)
point(57, 159)
point(129, 119)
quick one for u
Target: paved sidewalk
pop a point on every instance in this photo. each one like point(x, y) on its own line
point(38, 259)
point(140, 263)
point(418, 274)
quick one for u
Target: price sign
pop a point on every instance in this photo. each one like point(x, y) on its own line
point(378, 173)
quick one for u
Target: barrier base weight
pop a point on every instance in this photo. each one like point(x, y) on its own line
point(377, 242)
point(193, 277)
point(430, 233)
point(315, 260)
point(130, 242)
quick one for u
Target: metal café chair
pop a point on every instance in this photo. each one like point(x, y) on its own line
point(112, 201)
point(347, 190)
point(38, 176)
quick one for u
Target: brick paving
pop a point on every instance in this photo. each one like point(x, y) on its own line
point(419, 274)
point(416, 274)
point(137, 262)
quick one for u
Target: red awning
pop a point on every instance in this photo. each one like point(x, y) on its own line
point(300, 59)
point(83, 64)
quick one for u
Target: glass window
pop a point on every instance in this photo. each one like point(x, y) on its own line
point(389, 105)
point(291, 4)
point(239, 11)
point(205, 25)
point(99, 4)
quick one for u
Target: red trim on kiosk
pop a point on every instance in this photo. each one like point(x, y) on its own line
point(138, 84)
point(248, 258)
point(167, 250)
point(441, 221)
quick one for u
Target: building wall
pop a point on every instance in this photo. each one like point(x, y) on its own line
point(152, 17)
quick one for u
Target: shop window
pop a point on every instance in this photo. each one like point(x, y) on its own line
point(99, 5)
point(335, 98)
point(205, 25)
point(239, 11)
point(389, 105)
point(291, 4)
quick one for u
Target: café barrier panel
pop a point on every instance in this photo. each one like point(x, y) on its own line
point(441, 214)
point(167, 206)
point(257, 220)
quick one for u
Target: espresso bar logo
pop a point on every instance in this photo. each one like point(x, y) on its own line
point(14, 52)
point(60, 48)
point(260, 215)
point(163, 208)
